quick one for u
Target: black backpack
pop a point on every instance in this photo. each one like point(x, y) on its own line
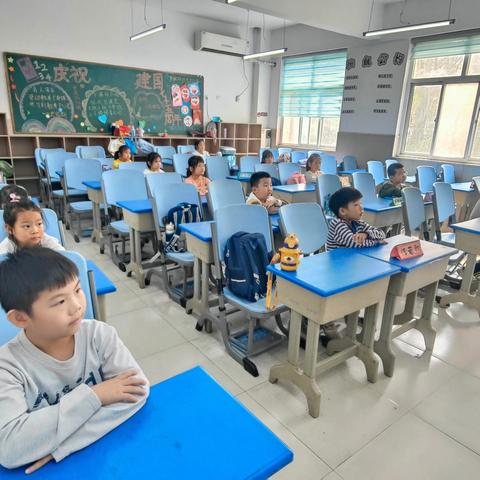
point(181, 213)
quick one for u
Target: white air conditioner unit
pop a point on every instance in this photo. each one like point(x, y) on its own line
point(211, 42)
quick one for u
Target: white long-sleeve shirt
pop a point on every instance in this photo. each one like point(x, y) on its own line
point(47, 405)
point(9, 246)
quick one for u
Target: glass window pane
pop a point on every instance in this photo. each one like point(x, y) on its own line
point(455, 119)
point(313, 135)
point(304, 131)
point(330, 128)
point(476, 143)
point(290, 130)
point(450, 66)
point(474, 65)
point(422, 119)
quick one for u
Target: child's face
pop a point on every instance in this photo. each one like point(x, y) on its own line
point(268, 159)
point(126, 155)
point(28, 229)
point(199, 170)
point(263, 189)
point(156, 165)
point(399, 177)
point(201, 147)
point(315, 165)
point(352, 212)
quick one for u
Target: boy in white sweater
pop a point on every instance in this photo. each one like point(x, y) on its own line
point(64, 381)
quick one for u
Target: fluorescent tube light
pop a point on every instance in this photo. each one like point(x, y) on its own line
point(270, 53)
point(156, 29)
point(406, 28)
point(230, 1)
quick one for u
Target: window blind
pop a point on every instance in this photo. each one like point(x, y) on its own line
point(447, 46)
point(312, 85)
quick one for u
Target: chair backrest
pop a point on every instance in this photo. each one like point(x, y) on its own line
point(388, 162)
point(298, 156)
point(224, 192)
point(308, 223)
point(158, 180)
point(247, 163)
point(286, 170)
point(273, 150)
point(328, 164)
point(217, 168)
point(91, 151)
point(239, 218)
point(443, 203)
point(123, 185)
point(448, 173)
point(350, 162)
point(78, 171)
point(43, 152)
point(377, 169)
point(311, 152)
point(107, 163)
point(180, 163)
point(269, 168)
point(413, 212)
point(165, 152)
point(427, 176)
point(475, 213)
point(476, 181)
point(141, 166)
point(55, 161)
point(284, 150)
point(185, 148)
point(364, 182)
point(169, 196)
point(39, 159)
point(327, 185)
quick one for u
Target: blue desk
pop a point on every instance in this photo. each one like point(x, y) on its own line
point(168, 440)
point(326, 287)
point(467, 239)
point(421, 272)
point(296, 193)
point(103, 286)
point(95, 195)
point(465, 198)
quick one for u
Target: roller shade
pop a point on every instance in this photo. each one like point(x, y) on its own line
point(447, 46)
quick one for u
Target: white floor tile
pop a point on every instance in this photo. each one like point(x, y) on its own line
point(332, 476)
point(122, 301)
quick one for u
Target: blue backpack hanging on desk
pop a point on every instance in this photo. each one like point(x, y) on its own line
point(246, 261)
point(181, 213)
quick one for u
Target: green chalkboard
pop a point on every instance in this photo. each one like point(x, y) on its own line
point(53, 95)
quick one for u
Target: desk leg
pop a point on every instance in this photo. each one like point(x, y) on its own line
point(424, 323)
point(365, 349)
point(135, 264)
point(102, 307)
point(463, 295)
point(383, 347)
point(409, 310)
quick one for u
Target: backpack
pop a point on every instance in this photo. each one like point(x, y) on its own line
point(246, 261)
point(181, 213)
point(296, 178)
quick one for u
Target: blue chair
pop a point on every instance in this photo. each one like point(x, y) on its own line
point(286, 170)
point(444, 211)
point(217, 168)
point(448, 173)
point(273, 150)
point(298, 156)
point(284, 150)
point(107, 163)
point(311, 152)
point(350, 162)
point(180, 163)
point(377, 169)
point(224, 192)
point(269, 168)
point(45, 192)
point(156, 181)
point(308, 223)
point(414, 217)
point(141, 166)
point(185, 148)
point(389, 162)
point(92, 151)
point(166, 153)
point(327, 185)
point(230, 220)
point(427, 176)
point(364, 182)
point(328, 164)
point(247, 163)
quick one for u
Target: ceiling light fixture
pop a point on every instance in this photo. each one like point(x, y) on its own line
point(269, 53)
point(230, 1)
point(149, 31)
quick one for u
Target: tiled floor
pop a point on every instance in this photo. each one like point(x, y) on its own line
point(424, 423)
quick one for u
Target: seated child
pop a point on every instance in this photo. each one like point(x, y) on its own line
point(262, 192)
point(347, 230)
point(154, 163)
point(65, 382)
point(313, 168)
point(394, 185)
point(24, 224)
point(12, 193)
point(196, 174)
point(200, 151)
point(267, 157)
point(123, 154)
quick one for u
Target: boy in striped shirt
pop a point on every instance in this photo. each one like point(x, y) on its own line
point(347, 230)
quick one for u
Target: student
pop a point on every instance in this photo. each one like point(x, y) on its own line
point(12, 193)
point(267, 157)
point(196, 174)
point(200, 151)
point(393, 187)
point(154, 163)
point(313, 168)
point(24, 224)
point(347, 230)
point(262, 192)
point(65, 382)
point(123, 154)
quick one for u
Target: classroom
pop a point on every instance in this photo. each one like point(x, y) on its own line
point(240, 239)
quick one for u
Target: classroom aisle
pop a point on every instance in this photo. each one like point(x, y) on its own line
point(421, 424)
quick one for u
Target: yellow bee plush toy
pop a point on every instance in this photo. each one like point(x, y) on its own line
point(289, 258)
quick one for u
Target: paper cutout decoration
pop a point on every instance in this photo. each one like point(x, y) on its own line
point(176, 96)
point(185, 92)
point(102, 118)
point(195, 102)
point(187, 121)
point(194, 89)
point(404, 251)
point(143, 123)
point(185, 110)
point(197, 117)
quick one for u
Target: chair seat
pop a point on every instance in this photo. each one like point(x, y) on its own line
point(182, 258)
point(167, 161)
point(448, 238)
point(257, 307)
point(120, 227)
point(81, 207)
point(72, 192)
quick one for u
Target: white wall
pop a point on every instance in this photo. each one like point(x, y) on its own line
point(98, 31)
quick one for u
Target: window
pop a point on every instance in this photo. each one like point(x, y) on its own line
point(443, 108)
point(311, 99)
